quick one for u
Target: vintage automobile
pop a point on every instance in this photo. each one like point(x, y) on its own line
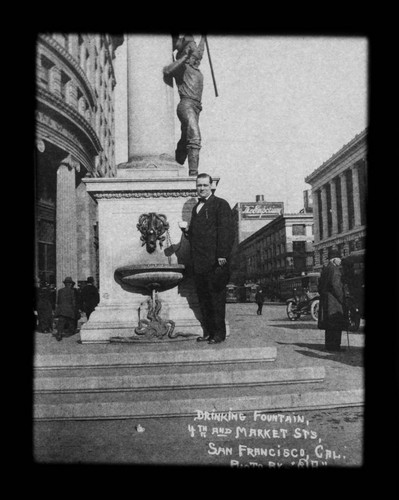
point(305, 297)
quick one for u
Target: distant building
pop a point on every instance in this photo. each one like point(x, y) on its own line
point(339, 190)
point(74, 139)
point(249, 216)
point(308, 201)
point(282, 248)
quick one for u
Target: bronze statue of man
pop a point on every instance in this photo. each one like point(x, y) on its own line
point(189, 81)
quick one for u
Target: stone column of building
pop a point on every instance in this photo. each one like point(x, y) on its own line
point(66, 239)
point(344, 203)
point(356, 196)
point(150, 98)
point(324, 211)
point(334, 213)
point(316, 209)
point(85, 218)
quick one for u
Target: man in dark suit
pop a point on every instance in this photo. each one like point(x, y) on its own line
point(211, 236)
point(65, 310)
point(90, 297)
point(331, 312)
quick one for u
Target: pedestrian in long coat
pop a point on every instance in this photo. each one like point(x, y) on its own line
point(66, 309)
point(332, 302)
point(259, 299)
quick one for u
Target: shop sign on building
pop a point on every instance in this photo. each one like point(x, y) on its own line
point(263, 210)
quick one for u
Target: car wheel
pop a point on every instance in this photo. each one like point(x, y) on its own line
point(291, 313)
point(314, 310)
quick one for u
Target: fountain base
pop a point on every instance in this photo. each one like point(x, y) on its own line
point(154, 328)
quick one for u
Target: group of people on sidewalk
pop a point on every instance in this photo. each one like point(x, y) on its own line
point(65, 306)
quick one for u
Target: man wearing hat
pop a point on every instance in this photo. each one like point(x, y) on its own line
point(189, 81)
point(90, 297)
point(211, 237)
point(65, 310)
point(331, 312)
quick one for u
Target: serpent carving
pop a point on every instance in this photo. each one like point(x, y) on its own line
point(152, 227)
point(154, 325)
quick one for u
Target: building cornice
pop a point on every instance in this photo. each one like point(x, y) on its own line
point(51, 131)
point(66, 57)
point(61, 108)
point(346, 150)
point(98, 195)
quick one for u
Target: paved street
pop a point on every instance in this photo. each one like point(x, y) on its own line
point(316, 438)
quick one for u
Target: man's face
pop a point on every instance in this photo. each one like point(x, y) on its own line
point(203, 187)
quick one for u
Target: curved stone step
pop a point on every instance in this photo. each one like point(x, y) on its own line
point(173, 381)
point(297, 401)
point(157, 358)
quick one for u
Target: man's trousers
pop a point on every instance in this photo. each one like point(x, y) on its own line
point(212, 302)
point(333, 339)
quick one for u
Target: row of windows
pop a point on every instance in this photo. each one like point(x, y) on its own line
point(62, 82)
point(344, 249)
point(296, 263)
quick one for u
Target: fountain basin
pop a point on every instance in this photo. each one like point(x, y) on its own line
point(148, 277)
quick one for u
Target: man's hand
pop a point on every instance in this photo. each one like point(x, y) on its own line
point(222, 261)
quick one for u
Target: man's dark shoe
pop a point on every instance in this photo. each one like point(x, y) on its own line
point(203, 339)
point(215, 341)
point(58, 337)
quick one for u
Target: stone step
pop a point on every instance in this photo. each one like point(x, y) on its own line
point(119, 371)
point(175, 381)
point(294, 401)
point(147, 358)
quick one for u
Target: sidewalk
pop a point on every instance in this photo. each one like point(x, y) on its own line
point(298, 343)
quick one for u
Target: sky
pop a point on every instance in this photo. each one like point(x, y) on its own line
point(286, 104)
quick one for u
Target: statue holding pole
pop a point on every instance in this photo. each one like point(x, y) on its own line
point(189, 81)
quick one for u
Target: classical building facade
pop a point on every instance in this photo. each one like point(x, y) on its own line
point(339, 192)
point(282, 248)
point(75, 125)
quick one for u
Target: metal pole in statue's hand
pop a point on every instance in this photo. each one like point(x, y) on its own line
point(210, 64)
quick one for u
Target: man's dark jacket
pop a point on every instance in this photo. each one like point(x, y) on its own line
point(331, 310)
point(211, 234)
point(66, 303)
point(90, 297)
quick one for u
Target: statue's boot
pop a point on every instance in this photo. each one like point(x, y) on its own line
point(180, 156)
point(193, 160)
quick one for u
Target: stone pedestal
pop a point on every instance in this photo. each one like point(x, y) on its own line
point(121, 201)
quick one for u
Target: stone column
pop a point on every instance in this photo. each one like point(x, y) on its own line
point(324, 211)
point(316, 216)
point(151, 108)
point(356, 196)
point(66, 240)
point(344, 203)
point(334, 213)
